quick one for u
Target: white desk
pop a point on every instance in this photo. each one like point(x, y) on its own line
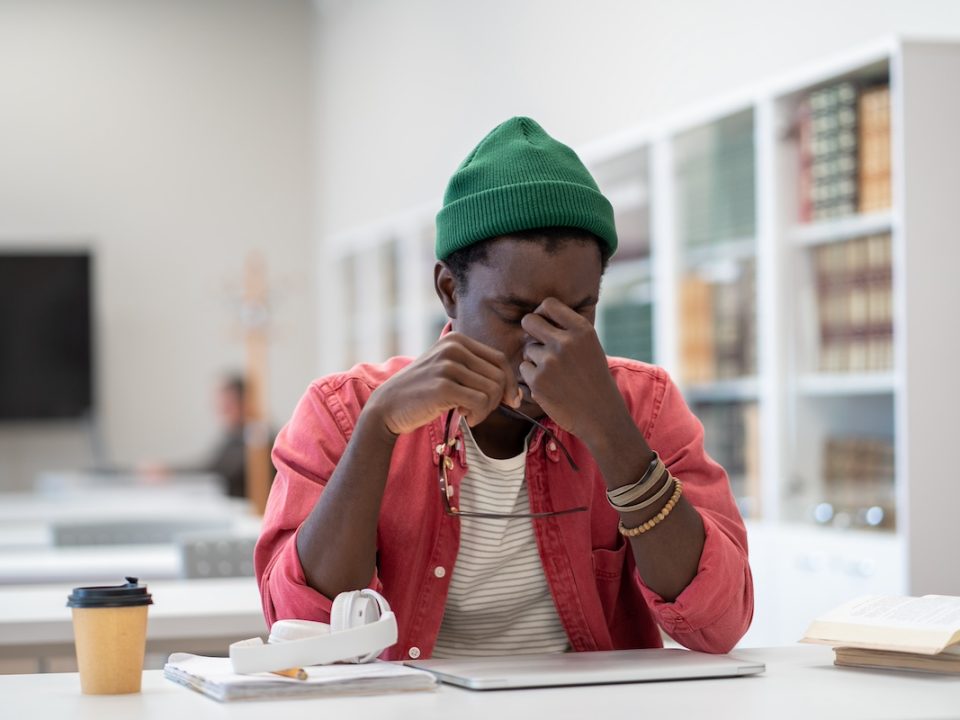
point(205, 615)
point(90, 564)
point(800, 682)
point(118, 504)
point(27, 553)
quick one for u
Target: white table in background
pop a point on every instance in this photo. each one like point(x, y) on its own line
point(198, 615)
point(800, 682)
point(27, 520)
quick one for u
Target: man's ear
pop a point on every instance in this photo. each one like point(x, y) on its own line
point(445, 285)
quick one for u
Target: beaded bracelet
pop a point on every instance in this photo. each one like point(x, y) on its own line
point(656, 519)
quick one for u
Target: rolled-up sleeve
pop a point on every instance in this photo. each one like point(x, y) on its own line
point(305, 455)
point(714, 611)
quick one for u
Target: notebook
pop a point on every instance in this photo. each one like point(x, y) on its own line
point(215, 678)
point(588, 668)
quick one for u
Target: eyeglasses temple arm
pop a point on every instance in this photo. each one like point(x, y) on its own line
point(507, 410)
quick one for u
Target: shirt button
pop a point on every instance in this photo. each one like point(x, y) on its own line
point(552, 446)
point(439, 571)
point(414, 652)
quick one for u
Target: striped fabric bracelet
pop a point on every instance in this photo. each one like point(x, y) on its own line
point(628, 494)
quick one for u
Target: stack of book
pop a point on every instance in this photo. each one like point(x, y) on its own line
point(854, 283)
point(696, 330)
point(858, 476)
point(890, 632)
point(874, 190)
point(718, 332)
point(827, 120)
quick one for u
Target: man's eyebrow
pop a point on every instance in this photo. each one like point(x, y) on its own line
point(527, 305)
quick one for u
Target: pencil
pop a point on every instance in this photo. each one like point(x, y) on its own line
point(295, 673)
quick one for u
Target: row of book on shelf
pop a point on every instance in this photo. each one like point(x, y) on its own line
point(718, 334)
point(858, 482)
point(716, 182)
point(844, 139)
point(854, 286)
point(731, 437)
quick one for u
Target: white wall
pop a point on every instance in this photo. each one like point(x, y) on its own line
point(408, 88)
point(173, 137)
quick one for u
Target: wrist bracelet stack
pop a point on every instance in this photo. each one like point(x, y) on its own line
point(627, 498)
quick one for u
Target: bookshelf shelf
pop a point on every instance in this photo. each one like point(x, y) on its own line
point(722, 253)
point(733, 390)
point(776, 267)
point(826, 231)
point(840, 384)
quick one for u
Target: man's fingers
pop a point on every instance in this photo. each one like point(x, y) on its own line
point(541, 329)
point(472, 404)
point(536, 353)
point(492, 363)
point(559, 314)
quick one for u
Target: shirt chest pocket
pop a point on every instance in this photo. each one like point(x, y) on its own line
point(608, 564)
point(608, 570)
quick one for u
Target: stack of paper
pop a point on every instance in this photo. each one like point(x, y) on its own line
point(215, 677)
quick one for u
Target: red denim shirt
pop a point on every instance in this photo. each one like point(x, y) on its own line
point(600, 598)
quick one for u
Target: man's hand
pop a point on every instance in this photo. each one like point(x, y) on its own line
point(566, 369)
point(457, 372)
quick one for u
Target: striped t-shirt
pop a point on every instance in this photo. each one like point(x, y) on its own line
point(498, 601)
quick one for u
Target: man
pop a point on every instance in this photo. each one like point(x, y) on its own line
point(429, 481)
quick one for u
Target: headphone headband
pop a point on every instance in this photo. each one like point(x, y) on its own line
point(351, 637)
point(251, 656)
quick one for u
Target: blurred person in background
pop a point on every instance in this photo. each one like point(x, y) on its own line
point(228, 457)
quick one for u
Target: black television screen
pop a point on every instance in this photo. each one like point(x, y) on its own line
point(46, 354)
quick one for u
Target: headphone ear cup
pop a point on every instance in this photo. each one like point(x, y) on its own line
point(342, 609)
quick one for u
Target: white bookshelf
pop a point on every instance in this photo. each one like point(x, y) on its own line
point(798, 405)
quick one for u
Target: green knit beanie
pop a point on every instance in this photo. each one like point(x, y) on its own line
point(520, 178)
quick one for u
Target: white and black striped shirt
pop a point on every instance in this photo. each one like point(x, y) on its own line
point(498, 601)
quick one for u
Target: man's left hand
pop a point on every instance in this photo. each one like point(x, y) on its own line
point(566, 369)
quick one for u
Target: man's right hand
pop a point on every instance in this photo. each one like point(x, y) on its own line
point(457, 372)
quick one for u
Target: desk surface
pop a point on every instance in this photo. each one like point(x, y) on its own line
point(90, 564)
point(800, 682)
point(228, 607)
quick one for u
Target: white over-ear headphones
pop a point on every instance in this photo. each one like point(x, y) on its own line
point(361, 627)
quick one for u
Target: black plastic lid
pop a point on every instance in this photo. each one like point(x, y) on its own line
point(129, 595)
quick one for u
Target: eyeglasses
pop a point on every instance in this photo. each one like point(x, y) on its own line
point(445, 451)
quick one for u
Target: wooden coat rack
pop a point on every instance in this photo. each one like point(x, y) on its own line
point(257, 441)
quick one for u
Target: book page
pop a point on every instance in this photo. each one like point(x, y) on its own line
point(929, 611)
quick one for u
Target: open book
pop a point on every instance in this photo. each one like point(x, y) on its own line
point(215, 678)
point(916, 633)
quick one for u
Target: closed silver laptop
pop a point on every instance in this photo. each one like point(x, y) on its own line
point(588, 668)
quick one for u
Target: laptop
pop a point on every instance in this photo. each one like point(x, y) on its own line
point(586, 668)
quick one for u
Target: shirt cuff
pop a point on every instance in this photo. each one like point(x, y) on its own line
point(714, 610)
point(285, 593)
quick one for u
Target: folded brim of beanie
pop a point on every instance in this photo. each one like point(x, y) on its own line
point(525, 206)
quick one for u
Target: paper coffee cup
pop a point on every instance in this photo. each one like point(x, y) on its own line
point(110, 634)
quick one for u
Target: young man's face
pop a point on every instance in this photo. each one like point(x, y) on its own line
point(516, 277)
